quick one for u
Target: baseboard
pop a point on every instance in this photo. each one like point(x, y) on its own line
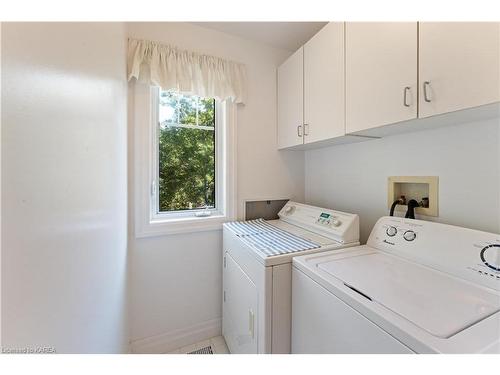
point(169, 341)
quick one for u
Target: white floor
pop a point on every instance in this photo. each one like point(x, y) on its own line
point(217, 343)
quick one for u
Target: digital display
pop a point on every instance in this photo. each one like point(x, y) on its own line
point(325, 216)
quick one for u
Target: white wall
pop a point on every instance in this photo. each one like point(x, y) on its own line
point(0, 186)
point(353, 177)
point(176, 280)
point(64, 196)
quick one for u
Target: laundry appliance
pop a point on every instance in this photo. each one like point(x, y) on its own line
point(257, 271)
point(415, 287)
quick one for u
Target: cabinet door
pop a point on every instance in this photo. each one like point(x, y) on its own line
point(239, 309)
point(381, 74)
point(291, 100)
point(324, 84)
point(458, 65)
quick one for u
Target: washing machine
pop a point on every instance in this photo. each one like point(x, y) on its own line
point(257, 271)
point(415, 287)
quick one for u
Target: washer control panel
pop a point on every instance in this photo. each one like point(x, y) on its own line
point(393, 231)
point(466, 253)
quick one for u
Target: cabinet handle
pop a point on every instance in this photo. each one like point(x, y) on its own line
point(426, 96)
point(299, 131)
point(405, 96)
point(251, 323)
point(306, 129)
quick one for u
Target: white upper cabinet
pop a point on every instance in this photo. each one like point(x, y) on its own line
point(291, 101)
point(354, 78)
point(324, 84)
point(458, 65)
point(381, 74)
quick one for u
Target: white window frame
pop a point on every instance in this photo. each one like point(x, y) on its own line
point(148, 221)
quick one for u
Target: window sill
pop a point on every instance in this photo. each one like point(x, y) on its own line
point(178, 225)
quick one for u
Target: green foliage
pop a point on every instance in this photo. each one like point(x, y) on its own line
point(186, 155)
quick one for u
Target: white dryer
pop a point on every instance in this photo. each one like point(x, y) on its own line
point(257, 271)
point(416, 287)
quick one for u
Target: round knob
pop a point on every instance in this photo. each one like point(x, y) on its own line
point(409, 235)
point(490, 256)
point(289, 210)
point(336, 223)
point(391, 231)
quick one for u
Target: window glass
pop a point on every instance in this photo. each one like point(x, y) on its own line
point(186, 152)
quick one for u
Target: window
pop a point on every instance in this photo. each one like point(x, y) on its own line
point(184, 162)
point(186, 143)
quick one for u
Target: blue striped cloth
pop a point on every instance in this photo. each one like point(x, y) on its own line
point(268, 239)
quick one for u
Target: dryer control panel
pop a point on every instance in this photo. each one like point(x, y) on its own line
point(466, 253)
point(328, 220)
point(341, 226)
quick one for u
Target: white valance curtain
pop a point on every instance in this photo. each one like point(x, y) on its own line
point(187, 72)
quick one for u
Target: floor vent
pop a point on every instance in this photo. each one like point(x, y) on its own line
point(205, 350)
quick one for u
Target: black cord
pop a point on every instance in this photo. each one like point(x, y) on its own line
point(412, 204)
point(393, 206)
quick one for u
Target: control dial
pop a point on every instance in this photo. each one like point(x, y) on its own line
point(289, 210)
point(391, 231)
point(409, 235)
point(336, 223)
point(490, 256)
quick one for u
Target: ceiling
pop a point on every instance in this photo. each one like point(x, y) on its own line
point(285, 35)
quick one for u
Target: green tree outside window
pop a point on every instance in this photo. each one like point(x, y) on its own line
point(186, 145)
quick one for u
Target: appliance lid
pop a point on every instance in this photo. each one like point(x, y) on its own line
point(434, 301)
point(268, 239)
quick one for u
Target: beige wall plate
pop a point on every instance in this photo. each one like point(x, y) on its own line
point(414, 187)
